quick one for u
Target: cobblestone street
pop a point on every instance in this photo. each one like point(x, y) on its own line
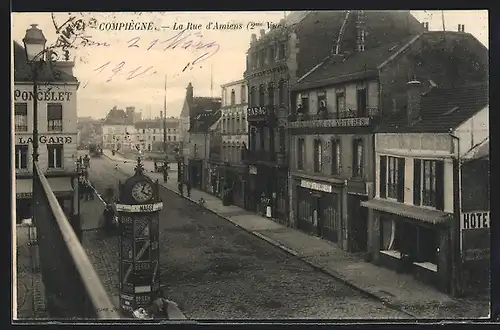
point(215, 270)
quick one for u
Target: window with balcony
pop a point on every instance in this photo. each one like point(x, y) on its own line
point(301, 153)
point(243, 94)
point(361, 99)
point(392, 171)
point(304, 101)
point(428, 183)
point(233, 97)
point(281, 93)
point(357, 166)
point(21, 117)
point(341, 108)
point(270, 93)
point(322, 109)
point(21, 157)
point(175, 138)
point(55, 155)
point(54, 117)
point(318, 156)
point(282, 51)
point(262, 96)
point(335, 145)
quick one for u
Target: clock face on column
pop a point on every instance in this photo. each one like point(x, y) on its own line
point(142, 191)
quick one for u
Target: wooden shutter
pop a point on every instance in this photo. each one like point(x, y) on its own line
point(440, 185)
point(383, 177)
point(417, 181)
point(401, 180)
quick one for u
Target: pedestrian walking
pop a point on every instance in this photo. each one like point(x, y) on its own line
point(165, 173)
point(108, 215)
point(86, 161)
point(188, 188)
point(181, 188)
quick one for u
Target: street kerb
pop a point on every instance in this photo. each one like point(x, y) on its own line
point(296, 254)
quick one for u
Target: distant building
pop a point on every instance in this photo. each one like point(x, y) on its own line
point(191, 109)
point(118, 129)
point(89, 131)
point(149, 134)
point(57, 129)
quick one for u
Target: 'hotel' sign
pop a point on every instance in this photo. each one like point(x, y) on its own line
point(344, 122)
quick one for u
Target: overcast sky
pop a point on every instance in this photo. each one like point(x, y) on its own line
point(139, 81)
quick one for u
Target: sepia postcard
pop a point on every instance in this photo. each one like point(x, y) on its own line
point(244, 166)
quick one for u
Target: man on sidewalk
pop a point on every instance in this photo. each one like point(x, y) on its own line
point(165, 173)
point(181, 188)
point(188, 188)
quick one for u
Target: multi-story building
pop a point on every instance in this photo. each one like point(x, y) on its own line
point(191, 109)
point(89, 131)
point(339, 104)
point(57, 129)
point(416, 210)
point(276, 61)
point(149, 133)
point(229, 167)
point(200, 134)
point(118, 129)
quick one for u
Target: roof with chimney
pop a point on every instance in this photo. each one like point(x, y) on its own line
point(200, 104)
point(360, 65)
point(203, 121)
point(156, 123)
point(48, 73)
point(441, 109)
point(318, 32)
point(118, 117)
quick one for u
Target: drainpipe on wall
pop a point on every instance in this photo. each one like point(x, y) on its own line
point(455, 238)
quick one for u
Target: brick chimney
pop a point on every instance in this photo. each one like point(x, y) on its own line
point(253, 39)
point(189, 93)
point(414, 94)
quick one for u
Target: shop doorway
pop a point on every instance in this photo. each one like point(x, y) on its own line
point(329, 217)
point(358, 218)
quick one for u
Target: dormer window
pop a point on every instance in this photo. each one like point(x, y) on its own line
point(305, 102)
point(322, 103)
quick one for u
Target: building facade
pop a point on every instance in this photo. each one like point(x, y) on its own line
point(57, 129)
point(196, 117)
point(149, 134)
point(233, 128)
point(416, 210)
point(339, 104)
point(118, 129)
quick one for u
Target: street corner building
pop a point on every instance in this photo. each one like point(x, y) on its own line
point(198, 117)
point(57, 127)
point(430, 213)
point(228, 139)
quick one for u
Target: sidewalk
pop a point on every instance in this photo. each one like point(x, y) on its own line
point(399, 291)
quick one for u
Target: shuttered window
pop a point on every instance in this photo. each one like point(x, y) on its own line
point(301, 153)
point(335, 145)
point(417, 181)
point(55, 155)
point(54, 117)
point(383, 177)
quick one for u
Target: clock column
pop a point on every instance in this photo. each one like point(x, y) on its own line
point(138, 211)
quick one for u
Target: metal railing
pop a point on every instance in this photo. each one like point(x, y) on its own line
point(72, 287)
point(370, 112)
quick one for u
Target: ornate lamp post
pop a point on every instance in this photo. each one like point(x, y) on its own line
point(34, 46)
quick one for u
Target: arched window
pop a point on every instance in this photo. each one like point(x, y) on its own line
point(233, 97)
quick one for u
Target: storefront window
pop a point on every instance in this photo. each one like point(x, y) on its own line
point(392, 177)
point(318, 156)
point(429, 183)
point(388, 234)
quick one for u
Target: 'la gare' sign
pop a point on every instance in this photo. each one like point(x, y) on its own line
point(46, 140)
point(51, 96)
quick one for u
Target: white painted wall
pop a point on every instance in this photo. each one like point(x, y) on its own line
point(240, 91)
point(473, 131)
point(54, 93)
point(416, 145)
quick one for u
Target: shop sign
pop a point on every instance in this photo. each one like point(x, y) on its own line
point(316, 186)
point(252, 170)
point(344, 122)
point(49, 96)
point(46, 140)
point(475, 220)
point(139, 208)
point(257, 113)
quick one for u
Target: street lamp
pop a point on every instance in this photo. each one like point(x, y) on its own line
point(34, 46)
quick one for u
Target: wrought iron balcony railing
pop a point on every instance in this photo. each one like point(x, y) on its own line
point(370, 112)
point(72, 287)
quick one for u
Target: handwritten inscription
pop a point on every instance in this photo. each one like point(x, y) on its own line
point(121, 70)
point(182, 40)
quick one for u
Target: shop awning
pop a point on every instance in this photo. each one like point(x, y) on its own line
point(408, 211)
point(60, 186)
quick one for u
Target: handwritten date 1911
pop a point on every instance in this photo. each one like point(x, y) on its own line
point(120, 69)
